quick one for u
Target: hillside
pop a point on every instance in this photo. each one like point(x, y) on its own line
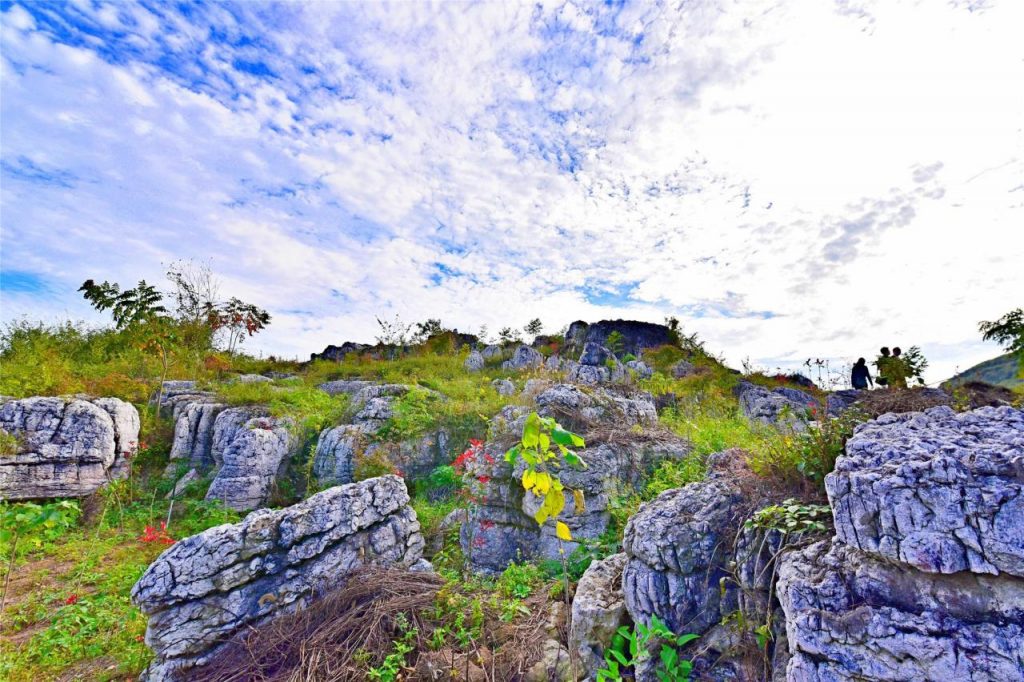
point(1001, 371)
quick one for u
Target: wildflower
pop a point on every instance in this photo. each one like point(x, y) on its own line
point(71, 599)
point(486, 525)
point(483, 479)
point(151, 534)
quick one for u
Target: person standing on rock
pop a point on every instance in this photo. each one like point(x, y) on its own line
point(860, 377)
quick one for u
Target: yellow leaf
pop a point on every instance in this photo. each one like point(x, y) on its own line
point(529, 479)
point(542, 484)
point(541, 515)
point(555, 502)
point(562, 531)
point(579, 502)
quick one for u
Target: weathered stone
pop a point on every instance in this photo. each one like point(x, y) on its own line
point(252, 379)
point(838, 402)
point(188, 478)
point(524, 357)
point(577, 409)
point(553, 666)
point(251, 463)
point(553, 363)
point(678, 548)
point(193, 435)
point(589, 374)
point(777, 407)
point(474, 361)
point(683, 369)
point(851, 617)
point(639, 369)
point(504, 386)
point(336, 452)
point(210, 587)
point(67, 447)
point(492, 352)
point(348, 387)
point(636, 336)
point(596, 355)
point(228, 425)
point(598, 609)
point(936, 490)
point(338, 353)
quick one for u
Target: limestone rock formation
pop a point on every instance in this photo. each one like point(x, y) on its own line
point(639, 369)
point(193, 434)
point(251, 463)
point(598, 609)
point(852, 617)
point(524, 357)
point(252, 379)
point(67, 447)
point(678, 547)
point(336, 452)
point(504, 386)
point(474, 361)
point(636, 336)
point(935, 490)
point(501, 528)
point(492, 351)
point(777, 406)
point(349, 387)
point(338, 353)
point(210, 587)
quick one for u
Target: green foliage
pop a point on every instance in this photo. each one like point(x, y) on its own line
point(413, 415)
point(10, 444)
point(615, 342)
point(394, 663)
point(808, 451)
point(520, 580)
point(1008, 332)
point(542, 466)
point(674, 473)
point(534, 327)
point(792, 517)
point(33, 524)
point(631, 647)
point(311, 409)
point(129, 307)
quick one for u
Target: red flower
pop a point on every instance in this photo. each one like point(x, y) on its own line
point(488, 459)
point(151, 534)
point(71, 600)
point(483, 479)
point(486, 525)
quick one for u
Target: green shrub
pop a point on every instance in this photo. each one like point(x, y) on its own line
point(674, 473)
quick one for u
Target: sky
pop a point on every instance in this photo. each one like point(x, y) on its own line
point(790, 178)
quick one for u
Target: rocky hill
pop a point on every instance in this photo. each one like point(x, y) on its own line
point(520, 512)
point(1001, 371)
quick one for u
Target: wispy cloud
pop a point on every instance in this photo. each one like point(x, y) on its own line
point(777, 173)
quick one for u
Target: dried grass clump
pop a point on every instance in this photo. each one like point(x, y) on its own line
point(882, 401)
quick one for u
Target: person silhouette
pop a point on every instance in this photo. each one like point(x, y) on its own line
point(860, 377)
point(882, 365)
point(898, 369)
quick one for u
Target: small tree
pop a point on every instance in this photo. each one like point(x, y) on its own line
point(508, 336)
point(533, 327)
point(140, 314)
point(428, 328)
point(615, 342)
point(1008, 332)
point(238, 318)
point(394, 333)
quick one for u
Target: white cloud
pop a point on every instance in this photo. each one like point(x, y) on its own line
point(793, 178)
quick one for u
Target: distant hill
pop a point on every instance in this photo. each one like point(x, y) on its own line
point(1001, 371)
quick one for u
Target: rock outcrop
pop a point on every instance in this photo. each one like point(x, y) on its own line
point(193, 433)
point(338, 353)
point(524, 357)
point(636, 336)
point(211, 587)
point(935, 490)
point(66, 447)
point(598, 610)
point(851, 617)
point(474, 361)
point(501, 528)
point(251, 462)
point(780, 406)
point(923, 580)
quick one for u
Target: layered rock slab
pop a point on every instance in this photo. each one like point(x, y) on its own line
point(66, 447)
point(210, 587)
point(939, 491)
point(852, 617)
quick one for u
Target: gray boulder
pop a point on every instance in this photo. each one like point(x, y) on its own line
point(67, 447)
point(553, 363)
point(683, 369)
point(639, 369)
point(504, 387)
point(228, 425)
point(349, 387)
point(678, 548)
point(852, 617)
point(474, 361)
point(252, 379)
point(589, 374)
point(336, 451)
point(838, 402)
point(211, 587)
point(940, 491)
point(780, 406)
point(492, 352)
point(596, 355)
point(598, 610)
point(251, 463)
point(193, 434)
point(524, 357)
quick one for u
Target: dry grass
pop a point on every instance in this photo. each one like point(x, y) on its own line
point(341, 635)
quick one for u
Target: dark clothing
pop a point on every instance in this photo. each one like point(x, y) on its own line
point(860, 376)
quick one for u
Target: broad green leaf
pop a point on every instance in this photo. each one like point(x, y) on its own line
point(531, 431)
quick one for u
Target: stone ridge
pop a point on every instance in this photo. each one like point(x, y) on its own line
point(68, 446)
point(940, 491)
point(208, 587)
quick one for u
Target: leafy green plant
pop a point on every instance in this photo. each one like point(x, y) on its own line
point(394, 663)
point(33, 522)
point(809, 450)
point(519, 580)
point(792, 517)
point(10, 444)
point(413, 415)
point(631, 647)
point(615, 342)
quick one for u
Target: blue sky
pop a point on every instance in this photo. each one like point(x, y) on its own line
point(792, 178)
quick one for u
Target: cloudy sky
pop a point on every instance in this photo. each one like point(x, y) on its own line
point(790, 178)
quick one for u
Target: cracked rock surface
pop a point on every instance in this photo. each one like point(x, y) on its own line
point(939, 491)
point(67, 446)
point(251, 459)
point(850, 616)
point(207, 588)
